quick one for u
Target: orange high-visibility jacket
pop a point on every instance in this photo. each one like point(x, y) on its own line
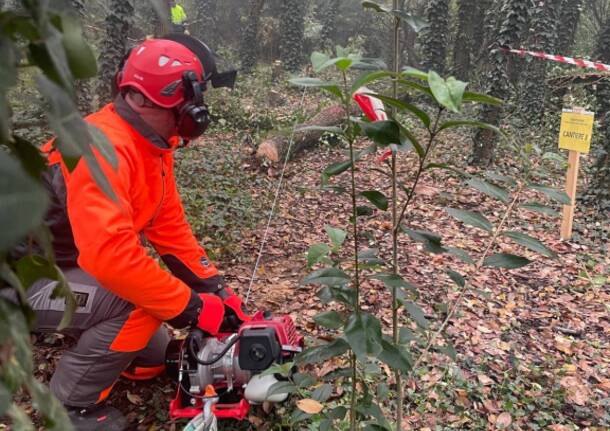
point(107, 234)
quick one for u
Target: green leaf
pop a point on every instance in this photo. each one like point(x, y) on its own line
point(448, 93)
point(337, 236)
point(281, 387)
point(343, 294)
point(431, 241)
point(505, 260)
point(375, 6)
point(417, 314)
point(303, 380)
point(322, 393)
point(471, 218)
point(369, 77)
point(323, 352)
point(316, 253)
point(338, 413)
point(501, 178)
point(411, 72)
point(102, 144)
point(395, 356)
point(79, 54)
point(376, 198)
point(327, 277)
point(392, 281)
point(489, 189)
point(23, 202)
point(5, 399)
point(318, 59)
point(30, 157)
point(50, 408)
point(49, 54)
point(416, 23)
point(539, 208)
point(404, 106)
point(20, 419)
point(331, 87)
point(336, 168)
point(469, 123)
point(330, 319)
point(363, 333)
point(406, 335)
point(460, 254)
point(448, 350)
point(408, 139)
point(552, 193)
point(470, 96)
point(382, 133)
point(457, 278)
point(530, 243)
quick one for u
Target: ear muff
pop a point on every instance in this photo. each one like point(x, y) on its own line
point(193, 115)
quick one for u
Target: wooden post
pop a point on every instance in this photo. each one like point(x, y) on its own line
point(571, 180)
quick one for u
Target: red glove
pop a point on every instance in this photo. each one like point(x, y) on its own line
point(212, 313)
point(234, 304)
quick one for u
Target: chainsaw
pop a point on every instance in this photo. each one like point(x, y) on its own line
point(220, 377)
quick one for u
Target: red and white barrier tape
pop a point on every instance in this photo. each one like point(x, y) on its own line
point(585, 64)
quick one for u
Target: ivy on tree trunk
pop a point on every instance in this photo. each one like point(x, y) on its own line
point(434, 37)
point(515, 13)
point(543, 38)
point(248, 47)
point(205, 26)
point(464, 38)
point(569, 19)
point(292, 27)
point(598, 193)
point(114, 46)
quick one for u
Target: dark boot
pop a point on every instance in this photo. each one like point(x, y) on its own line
point(97, 418)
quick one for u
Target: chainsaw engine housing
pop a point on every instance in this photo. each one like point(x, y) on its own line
point(231, 364)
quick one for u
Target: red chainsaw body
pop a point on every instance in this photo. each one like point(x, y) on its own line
point(287, 336)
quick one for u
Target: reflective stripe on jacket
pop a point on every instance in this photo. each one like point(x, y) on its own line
point(107, 234)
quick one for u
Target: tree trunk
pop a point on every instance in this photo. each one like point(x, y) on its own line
point(249, 48)
point(434, 37)
point(542, 38)
point(274, 148)
point(515, 13)
point(598, 192)
point(329, 27)
point(464, 39)
point(205, 25)
point(114, 46)
point(570, 17)
point(292, 27)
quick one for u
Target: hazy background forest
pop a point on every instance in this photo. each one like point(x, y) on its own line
point(270, 39)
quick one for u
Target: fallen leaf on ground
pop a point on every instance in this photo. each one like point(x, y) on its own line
point(504, 420)
point(310, 406)
point(134, 399)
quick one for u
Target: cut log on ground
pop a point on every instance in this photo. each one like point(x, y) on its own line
point(274, 148)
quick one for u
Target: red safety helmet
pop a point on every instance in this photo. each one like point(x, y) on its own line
point(156, 69)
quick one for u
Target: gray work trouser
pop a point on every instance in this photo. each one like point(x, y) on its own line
point(86, 372)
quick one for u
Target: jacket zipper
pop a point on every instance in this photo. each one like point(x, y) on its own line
point(158, 210)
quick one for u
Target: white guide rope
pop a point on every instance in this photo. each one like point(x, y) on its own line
point(277, 195)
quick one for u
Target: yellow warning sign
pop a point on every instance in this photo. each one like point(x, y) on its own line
point(576, 130)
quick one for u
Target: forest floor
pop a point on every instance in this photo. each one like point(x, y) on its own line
point(533, 344)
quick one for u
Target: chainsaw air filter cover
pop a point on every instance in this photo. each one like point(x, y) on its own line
point(258, 349)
